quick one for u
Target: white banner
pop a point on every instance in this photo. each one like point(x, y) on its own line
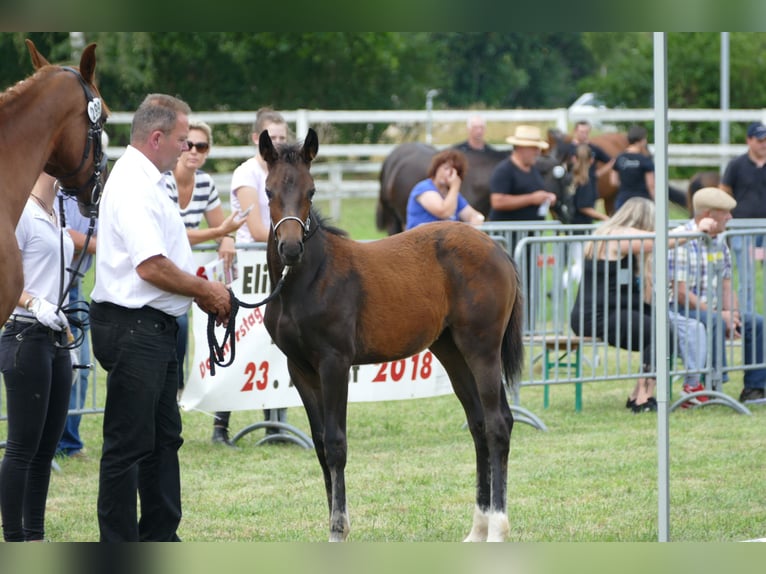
point(258, 376)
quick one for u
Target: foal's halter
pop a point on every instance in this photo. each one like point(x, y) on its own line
point(94, 107)
point(305, 225)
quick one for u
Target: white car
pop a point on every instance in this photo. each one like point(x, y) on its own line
point(586, 107)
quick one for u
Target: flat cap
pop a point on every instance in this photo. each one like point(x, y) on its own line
point(713, 198)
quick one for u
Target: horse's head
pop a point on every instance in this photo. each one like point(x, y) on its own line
point(77, 158)
point(290, 189)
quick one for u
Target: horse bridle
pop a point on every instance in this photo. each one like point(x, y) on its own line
point(305, 225)
point(94, 108)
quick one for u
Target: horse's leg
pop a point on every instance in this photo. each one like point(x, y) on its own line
point(333, 373)
point(483, 358)
point(310, 392)
point(464, 386)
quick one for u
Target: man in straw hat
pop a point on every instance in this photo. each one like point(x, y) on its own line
point(517, 190)
point(695, 270)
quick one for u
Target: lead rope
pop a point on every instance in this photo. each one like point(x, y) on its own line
point(216, 350)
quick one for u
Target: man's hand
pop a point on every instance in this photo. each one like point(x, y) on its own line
point(733, 323)
point(216, 300)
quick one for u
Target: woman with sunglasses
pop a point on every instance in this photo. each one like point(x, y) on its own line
point(36, 366)
point(194, 192)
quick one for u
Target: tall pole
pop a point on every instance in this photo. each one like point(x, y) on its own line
point(660, 279)
point(76, 44)
point(430, 95)
point(725, 74)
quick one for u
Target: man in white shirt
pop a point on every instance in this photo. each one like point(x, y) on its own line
point(144, 280)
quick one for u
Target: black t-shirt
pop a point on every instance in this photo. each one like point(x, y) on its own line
point(464, 147)
point(584, 196)
point(633, 168)
point(748, 184)
point(507, 178)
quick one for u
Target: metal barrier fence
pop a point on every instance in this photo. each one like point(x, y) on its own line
point(550, 263)
point(552, 269)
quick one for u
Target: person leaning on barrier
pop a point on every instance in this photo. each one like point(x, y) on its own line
point(745, 179)
point(36, 367)
point(695, 270)
point(438, 197)
point(618, 310)
point(144, 280)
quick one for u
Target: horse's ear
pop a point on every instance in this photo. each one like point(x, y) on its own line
point(310, 146)
point(38, 61)
point(88, 63)
point(266, 148)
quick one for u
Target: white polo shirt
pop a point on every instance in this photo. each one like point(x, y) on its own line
point(137, 221)
point(39, 240)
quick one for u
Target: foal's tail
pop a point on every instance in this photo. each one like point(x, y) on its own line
point(513, 346)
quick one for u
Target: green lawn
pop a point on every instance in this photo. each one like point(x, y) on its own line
point(410, 474)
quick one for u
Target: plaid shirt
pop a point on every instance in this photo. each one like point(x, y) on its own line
point(700, 264)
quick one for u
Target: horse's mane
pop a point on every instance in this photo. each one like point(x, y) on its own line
point(322, 223)
point(22, 86)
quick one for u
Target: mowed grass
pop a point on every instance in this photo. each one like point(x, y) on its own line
point(410, 474)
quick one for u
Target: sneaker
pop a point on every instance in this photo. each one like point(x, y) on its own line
point(694, 388)
point(752, 395)
point(221, 436)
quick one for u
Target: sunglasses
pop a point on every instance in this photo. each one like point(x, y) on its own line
point(202, 147)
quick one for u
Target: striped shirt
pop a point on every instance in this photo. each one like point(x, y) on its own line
point(204, 198)
point(700, 264)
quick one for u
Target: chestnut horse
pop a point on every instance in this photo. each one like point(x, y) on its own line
point(408, 164)
point(51, 122)
point(444, 286)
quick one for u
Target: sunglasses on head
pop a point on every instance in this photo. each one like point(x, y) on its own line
point(202, 147)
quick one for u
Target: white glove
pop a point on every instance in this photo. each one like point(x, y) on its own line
point(46, 313)
point(74, 355)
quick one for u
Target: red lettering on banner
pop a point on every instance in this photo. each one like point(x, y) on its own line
point(260, 383)
point(397, 369)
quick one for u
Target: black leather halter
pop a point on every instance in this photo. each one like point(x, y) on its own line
point(96, 125)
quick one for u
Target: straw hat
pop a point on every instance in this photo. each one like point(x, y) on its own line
point(527, 136)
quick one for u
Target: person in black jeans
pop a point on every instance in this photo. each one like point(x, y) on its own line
point(37, 369)
point(144, 280)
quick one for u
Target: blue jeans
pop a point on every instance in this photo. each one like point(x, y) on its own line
point(752, 333)
point(71, 442)
point(692, 346)
point(142, 424)
point(743, 247)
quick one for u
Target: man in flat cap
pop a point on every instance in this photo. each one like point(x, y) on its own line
point(745, 179)
point(696, 269)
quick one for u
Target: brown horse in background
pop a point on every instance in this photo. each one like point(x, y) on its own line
point(444, 286)
point(51, 122)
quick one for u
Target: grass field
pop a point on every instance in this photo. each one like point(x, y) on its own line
point(410, 474)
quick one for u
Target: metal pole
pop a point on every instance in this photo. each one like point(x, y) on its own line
point(725, 73)
point(430, 95)
point(661, 277)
